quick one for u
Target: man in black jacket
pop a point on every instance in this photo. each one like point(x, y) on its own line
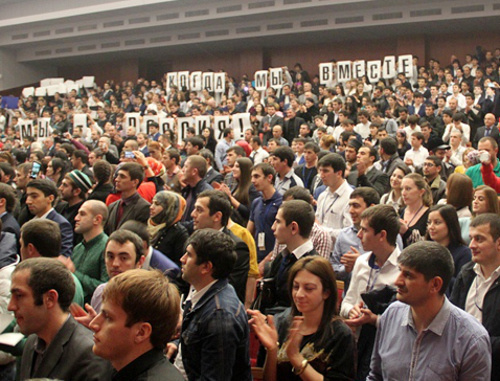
point(292, 227)
point(212, 210)
point(477, 288)
point(139, 314)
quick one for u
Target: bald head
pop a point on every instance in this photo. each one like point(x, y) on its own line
point(97, 208)
point(489, 120)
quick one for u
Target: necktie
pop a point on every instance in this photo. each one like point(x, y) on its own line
point(487, 132)
point(119, 214)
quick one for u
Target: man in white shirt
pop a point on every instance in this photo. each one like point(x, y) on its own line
point(415, 157)
point(457, 125)
point(258, 154)
point(333, 203)
point(374, 270)
point(363, 127)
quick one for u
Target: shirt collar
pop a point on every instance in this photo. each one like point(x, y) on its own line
point(45, 215)
point(302, 249)
point(477, 269)
point(195, 296)
point(438, 323)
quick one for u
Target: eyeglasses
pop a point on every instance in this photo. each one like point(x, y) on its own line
point(429, 165)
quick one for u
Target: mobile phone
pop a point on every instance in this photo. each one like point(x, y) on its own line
point(129, 155)
point(35, 169)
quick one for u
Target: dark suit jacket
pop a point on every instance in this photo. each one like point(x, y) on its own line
point(273, 121)
point(375, 179)
point(212, 175)
point(239, 275)
point(291, 128)
point(10, 224)
point(495, 134)
point(138, 211)
point(66, 232)
point(68, 357)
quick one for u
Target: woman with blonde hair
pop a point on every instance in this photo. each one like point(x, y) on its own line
point(417, 197)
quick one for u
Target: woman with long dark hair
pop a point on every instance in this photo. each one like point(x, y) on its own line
point(443, 228)
point(209, 138)
point(242, 193)
point(307, 341)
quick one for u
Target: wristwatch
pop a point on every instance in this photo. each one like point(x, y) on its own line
point(303, 366)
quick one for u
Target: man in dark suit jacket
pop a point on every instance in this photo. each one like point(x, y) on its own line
point(131, 206)
point(366, 175)
point(7, 204)
point(212, 210)
point(293, 226)
point(489, 129)
point(44, 316)
point(40, 197)
point(291, 125)
point(269, 121)
point(138, 355)
point(212, 174)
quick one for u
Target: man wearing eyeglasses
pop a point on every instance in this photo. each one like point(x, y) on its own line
point(431, 169)
point(477, 288)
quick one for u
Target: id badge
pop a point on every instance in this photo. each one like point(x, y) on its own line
point(261, 241)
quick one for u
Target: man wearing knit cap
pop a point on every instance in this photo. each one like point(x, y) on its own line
point(74, 188)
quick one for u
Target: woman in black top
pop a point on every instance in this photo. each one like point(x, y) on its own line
point(308, 340)
point(167, 235)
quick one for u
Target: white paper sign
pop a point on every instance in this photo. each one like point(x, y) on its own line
point(276, 78)
point(28, 91)
point(26, 128)
point(41, 91)
point(219, 83)
point(208, 81)
point(133, 119)
point(81, 120)
point(183, 80)
point(44, 129)
point(389, 67)
point(405, 65)
point(195, 81)
point(166, 124)
point(344, 71)
point(325, 73)
point(45, 82)
point(358, 69)
point(52, 89)
point(171, 80)
point(88, 81)
point(373, 70)
point(240, 123)
point(221, 122)
point(261, 80)
point(182, 126)
point(201, 122)
point(146, 123)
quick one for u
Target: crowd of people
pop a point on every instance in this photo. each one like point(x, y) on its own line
point(136, 256)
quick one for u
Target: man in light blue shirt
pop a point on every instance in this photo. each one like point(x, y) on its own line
point(222, 147)
point(348, 246)
point(423, 336)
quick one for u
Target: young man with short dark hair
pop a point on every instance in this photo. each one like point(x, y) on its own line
point(131, 205)
point(213, 314)
point(57, 347)
point(140, 311)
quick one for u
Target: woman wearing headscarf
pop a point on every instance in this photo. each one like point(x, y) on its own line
point(167, 235)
